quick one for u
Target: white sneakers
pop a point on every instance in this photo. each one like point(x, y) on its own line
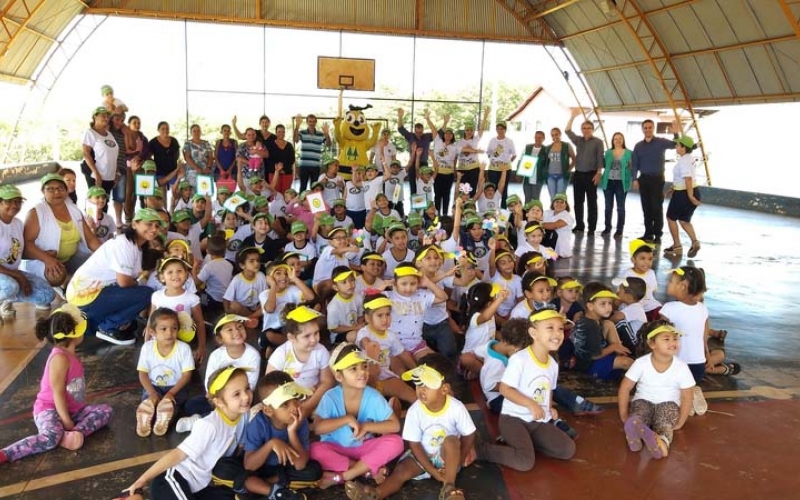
point(185, 424)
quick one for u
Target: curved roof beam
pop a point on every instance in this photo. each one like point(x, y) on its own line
point(660, 60)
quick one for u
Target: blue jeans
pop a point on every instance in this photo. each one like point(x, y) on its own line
point(440, 338)
point(556, 184)
point(41, 291)
point(116, 306)
point(614, 190)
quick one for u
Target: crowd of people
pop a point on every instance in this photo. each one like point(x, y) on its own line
point(335, 311)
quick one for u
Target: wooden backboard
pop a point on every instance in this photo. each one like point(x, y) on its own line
point(351, 74)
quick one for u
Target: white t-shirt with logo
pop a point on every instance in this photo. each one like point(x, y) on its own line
point(105, 150)
point(431, 428)
point(478, 335)
point(533, 379)
point(251, 360)
point(291, 295)
point(408, 315)
point(245, 291)
point(306, 373)
point(344, 312)
point(165, 371)
point(354, 197)
point(11, 244)
point(210, 439)
point(514, 287)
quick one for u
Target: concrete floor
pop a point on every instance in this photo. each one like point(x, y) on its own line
point(745, 447)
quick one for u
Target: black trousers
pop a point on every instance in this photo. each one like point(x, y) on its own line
point(584, 190)
point(471, 178)
point(442, 190)
point(308, 176)
point(651, 192)
point(494, 176)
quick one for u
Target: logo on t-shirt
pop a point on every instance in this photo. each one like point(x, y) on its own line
point(355, 190)
point(110, 143)
point(234, 245)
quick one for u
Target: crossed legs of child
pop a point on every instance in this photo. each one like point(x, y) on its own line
point(51, 434)
point(652, 425)
point(342, 463)
point(470, 365)
point(409, 467)
point(523, 440)
point(270, 478)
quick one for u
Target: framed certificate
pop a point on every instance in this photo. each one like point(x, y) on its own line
point(527, 167)
point(205, 185)
point(144, 185)
point(234, 202)
point(419, 202)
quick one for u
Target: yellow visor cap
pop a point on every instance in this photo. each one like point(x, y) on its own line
point(424, 375)
point(285, 392)
point(303, 314)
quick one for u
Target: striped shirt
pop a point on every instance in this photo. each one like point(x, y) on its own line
point(311, 148)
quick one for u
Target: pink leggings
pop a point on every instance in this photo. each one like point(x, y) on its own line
point(375, 452)
point(87, 420)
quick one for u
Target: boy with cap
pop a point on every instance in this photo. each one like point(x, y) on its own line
point(439, 431)
point(373, 184)
point(425, 177)
point(355, 204)
point(337, 253)
point(299, 244)
point(323, 223)
point(16, 285)
point(415, 233)
point(332, 183)
point(223, 193)
point(96, 217)
point(394, 176)
point(111, 103)
point(380, 210)
point(642, 258)
point(276, 440)
point(340, 217)
point(262, 227)
point(345, 311)
point(598, 348)
point(183, 200)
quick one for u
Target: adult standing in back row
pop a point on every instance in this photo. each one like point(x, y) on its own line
point(589, 162)
point(423, 141)
point(311, 148)
point(648, 162)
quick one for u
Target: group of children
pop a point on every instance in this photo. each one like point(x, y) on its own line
point(337, 320)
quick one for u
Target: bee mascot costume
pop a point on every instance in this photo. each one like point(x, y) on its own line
point(354, 138)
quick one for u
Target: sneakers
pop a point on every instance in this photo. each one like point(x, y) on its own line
point(185, 424)
point(699, 404)
point(117, 337)
point(3, 458)
point(72, 440)
point(286, 494)
point(565, 427)
point(7, 310)
point(586, 407)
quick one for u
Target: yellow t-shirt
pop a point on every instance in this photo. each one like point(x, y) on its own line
point(70, 237)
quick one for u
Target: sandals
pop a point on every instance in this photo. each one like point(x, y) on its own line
point(144, 418)
point(450, 492)
point(694, 248)
point(381, 476)
point(358, 491)
point(721, 334)
point(699, 403)
point(164, 412)
point(731, 368)
point(634, 429)
point(674, 250)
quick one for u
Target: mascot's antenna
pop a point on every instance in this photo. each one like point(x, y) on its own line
point(358, 108)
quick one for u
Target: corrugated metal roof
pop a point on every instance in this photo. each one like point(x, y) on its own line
point(634, 54)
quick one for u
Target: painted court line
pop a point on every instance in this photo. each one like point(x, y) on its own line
point(12, 375)
point(74, 475)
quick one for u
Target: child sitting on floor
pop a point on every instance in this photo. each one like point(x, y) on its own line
point(345, 310)
point(186, 471)
point(284, 286)
point(242, 294)
point(303, 356)
point(482, 302)
point(642, 259)
point(664, 391)
point(439, 431)
point(631, 316)
point(495, 354)
point(598, 349)
point(527, 386)
point(60, 412)
point(165, 368)
point(348, 418)
point(276, 440)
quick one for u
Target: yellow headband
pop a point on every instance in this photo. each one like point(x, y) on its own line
point(425, 252)
point(663, 329)
point(550, 281)
point(406, 271)
point(378, 303)
point(343, 276)
point(169, 260)
point(604, 294)
point(351, 358)
point(279, 266)
point(502, 254)
point(221, 381)
point(424, 375)
point(303, 314)
point(679, 271)
point(228, 318)
point(533, 228)
point(534, 260)
point(80, 322)
point(374, 256)
point(285, 392)
point(568, 285)
point(181, 243)
point(495, 290)
point(545, 314)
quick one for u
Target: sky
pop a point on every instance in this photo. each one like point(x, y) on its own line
point(151, 63)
